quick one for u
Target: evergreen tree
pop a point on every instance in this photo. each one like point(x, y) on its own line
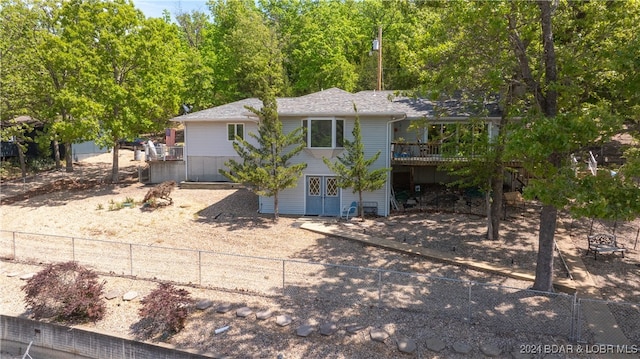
point(266, 168)
point(352, 168)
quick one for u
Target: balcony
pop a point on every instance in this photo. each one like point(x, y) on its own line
point(426, 154)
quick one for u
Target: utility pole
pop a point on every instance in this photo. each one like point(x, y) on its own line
point(380, 58)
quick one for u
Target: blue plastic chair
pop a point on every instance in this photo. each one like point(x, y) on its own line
point(350, 211)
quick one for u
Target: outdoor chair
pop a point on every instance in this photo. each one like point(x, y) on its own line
point(352, 210)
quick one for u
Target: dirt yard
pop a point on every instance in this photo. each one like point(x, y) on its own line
point(227, 221)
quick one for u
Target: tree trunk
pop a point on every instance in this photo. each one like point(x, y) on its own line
point(489, 206)
point(544, 264)
point(68, 157)
point(497, 180)
point(549, 214)
point(496, 204)
point(23, 162)
point(115, 166)
point(56, 154)
point(276, 211)
point(360, 206)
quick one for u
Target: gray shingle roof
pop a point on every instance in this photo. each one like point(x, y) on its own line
point(337, 102)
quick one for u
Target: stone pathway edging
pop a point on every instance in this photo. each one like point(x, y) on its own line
point(561, 284)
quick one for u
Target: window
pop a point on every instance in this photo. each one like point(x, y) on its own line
point(324, 133)
point(235, 129)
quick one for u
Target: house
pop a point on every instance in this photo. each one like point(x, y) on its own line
point(328, 117)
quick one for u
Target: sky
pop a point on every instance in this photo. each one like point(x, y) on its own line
point(154, 8)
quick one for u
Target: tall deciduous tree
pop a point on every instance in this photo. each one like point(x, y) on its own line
point(566, 101)
point(353, 169)
point(18, 79)
point(135, 71)
point(69, 114)
point(249, 60)
point(17, 23)
point(568, 112)
point(266, 167)
point(450, 62)
point(199, 60)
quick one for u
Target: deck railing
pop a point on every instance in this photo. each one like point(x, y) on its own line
point(165, 153)
point(421, 154)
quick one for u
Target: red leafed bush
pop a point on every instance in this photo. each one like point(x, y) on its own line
point(66, 292)
point(164, 310)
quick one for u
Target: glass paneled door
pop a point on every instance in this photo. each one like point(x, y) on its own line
point(323, 196)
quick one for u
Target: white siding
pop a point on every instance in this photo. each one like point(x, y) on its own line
point(210, 138)
point(208, 148)
point(374, 136)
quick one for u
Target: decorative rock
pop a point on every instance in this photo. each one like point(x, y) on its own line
point(406, 345)
point(304, 330)
point(328, 328)
point(111, 295)
point(27, 276)
point(490, 350)
point(264, 314)
point(12, 274)
point(204, 304)
point(378, 335)
point(131, 295)
point(435, 344)
point(354, 328)
point(283, 320)
point(462, 348)
point(244, 312)
point(223, 308)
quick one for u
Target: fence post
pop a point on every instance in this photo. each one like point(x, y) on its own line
point(131, 258)
point(469, 307)
point(14, 245)
point(378, 319)
point(200, 267)
point(572, 334)
point(578, 321)
point(284, 292)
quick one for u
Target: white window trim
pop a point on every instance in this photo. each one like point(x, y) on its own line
point(235, 130)
point(333, 120)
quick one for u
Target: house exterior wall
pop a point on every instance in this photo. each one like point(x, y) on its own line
point(374, 135)
point(208, 148)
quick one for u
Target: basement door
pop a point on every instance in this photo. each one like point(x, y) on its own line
point(323, 196)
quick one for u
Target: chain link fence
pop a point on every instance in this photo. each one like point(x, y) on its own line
point(368, 296)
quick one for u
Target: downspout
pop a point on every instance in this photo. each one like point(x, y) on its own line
point(387, 190)
point(184, 154)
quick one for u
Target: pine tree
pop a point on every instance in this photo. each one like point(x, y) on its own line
point(352, 168)
point(265, 168)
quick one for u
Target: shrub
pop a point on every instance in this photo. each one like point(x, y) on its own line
point(66, 292)
point(164, 310)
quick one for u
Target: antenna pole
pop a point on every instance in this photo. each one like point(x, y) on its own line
point(380, 58)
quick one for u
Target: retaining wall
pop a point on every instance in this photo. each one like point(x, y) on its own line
point(54, 341)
